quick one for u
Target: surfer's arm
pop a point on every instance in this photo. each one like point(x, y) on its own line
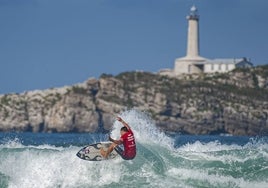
point(123, 122)
point(115, 141)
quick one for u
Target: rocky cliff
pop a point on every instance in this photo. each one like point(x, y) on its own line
point(235, 103)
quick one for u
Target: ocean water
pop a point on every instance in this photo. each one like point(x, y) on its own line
point(29, 160)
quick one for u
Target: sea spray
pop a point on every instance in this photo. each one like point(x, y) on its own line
point(143, 127)
point(148, 137)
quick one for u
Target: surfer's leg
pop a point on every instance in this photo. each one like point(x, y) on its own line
point(105, 154)
point(120, 151)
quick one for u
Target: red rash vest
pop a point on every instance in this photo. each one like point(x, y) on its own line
point(129, 144)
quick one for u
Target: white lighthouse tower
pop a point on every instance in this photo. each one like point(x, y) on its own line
point(192, 62)
point(193, 34)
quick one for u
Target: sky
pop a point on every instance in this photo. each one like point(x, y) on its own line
point(53, 43)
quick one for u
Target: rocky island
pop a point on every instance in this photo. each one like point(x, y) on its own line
point(233, 103)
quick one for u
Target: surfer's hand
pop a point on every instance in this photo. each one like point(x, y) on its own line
point(110, 139)
point(119, 119)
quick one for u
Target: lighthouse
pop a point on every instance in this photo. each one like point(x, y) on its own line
point(192, 62)
point(193, 34)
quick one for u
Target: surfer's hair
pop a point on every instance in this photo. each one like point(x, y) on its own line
point(124, 129)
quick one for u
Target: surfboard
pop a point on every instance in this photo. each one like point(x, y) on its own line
point(92, 152)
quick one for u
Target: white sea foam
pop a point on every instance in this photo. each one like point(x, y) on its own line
point(153, 166)
point(203, 178)
point(42, 168)
point(157, 164)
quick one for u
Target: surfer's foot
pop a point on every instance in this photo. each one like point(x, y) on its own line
point(103, 153)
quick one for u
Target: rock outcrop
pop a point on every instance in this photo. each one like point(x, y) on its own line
point(233, 103)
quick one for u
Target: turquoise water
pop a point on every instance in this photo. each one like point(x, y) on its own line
point(49, 160)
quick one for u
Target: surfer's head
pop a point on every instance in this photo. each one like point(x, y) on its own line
point(123, 129)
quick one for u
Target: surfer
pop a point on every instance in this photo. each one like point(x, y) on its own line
point(128, 141)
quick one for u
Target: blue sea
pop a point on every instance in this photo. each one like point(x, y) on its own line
point(43, 160)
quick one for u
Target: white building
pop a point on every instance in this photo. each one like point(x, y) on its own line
point(193, 62)
point(225, 65)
